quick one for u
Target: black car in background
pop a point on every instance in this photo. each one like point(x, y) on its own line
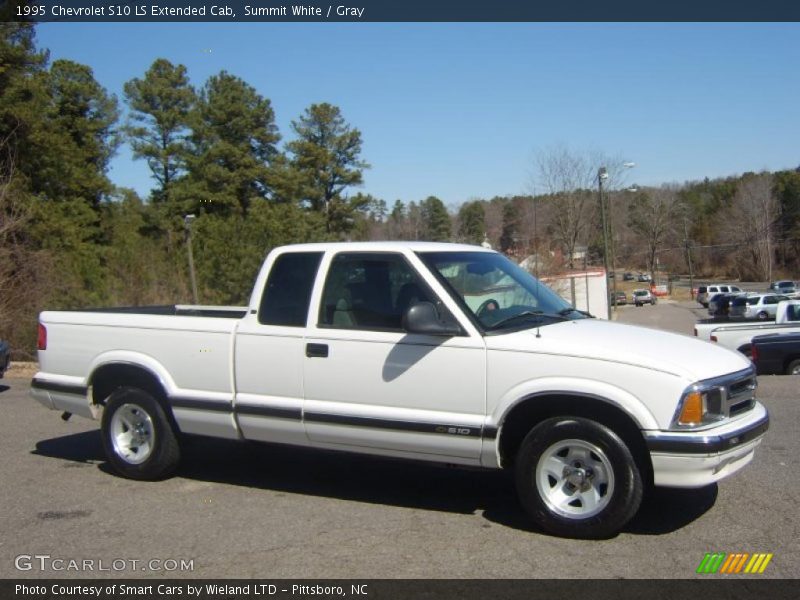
point(777, 354)
point(719, 305)
point(5, 357)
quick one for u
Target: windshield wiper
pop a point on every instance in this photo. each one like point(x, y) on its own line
point(526, 313)
point(571, 309)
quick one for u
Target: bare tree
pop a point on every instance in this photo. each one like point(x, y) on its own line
point(653, 217)
point(751, 221)
point(569, 179)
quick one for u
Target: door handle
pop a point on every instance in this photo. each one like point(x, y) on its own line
point(317, 350)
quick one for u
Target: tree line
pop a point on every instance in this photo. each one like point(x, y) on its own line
point(70, 238)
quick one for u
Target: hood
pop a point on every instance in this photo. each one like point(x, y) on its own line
point(640, 346)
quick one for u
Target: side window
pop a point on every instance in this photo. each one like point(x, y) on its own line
point(288, 290)
point(723, 288)
point(770, 299)
point(370, 291)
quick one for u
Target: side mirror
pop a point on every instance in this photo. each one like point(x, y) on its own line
point(423, 318)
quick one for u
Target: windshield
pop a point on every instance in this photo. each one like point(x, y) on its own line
point(499, 294)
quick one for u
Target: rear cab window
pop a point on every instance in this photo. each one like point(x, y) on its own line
point(287, 293)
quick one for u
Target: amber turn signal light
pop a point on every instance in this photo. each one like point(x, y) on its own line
point(692, 411)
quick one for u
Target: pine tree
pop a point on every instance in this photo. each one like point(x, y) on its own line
point(326, 157)
point(160, 105)
point(435, 220)
point(233, 148)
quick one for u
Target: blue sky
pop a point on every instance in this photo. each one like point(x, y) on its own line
point(460, 110)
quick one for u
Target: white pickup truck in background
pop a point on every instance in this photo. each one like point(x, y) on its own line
point(738, 335)
point(439, 352)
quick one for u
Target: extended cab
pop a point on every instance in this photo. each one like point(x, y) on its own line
point(440, 352)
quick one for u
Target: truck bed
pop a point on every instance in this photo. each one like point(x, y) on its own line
point(188, 347)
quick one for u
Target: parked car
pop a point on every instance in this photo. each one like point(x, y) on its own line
point(756, 306)
point(5, 357)
point(643, 277)
point(629, 277)
point(785, 287)
point(719, 304)
point(704, 292)
point(419, 350)
point(621, 298)
point(776, 354)
point(642, 297)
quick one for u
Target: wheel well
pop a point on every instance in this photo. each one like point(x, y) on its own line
point(109, 377)
point(532, 411)
point(789, 361)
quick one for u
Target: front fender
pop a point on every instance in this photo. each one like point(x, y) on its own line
point(574, 386)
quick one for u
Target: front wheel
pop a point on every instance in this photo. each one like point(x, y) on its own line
point(137, 436)
point(577, 478)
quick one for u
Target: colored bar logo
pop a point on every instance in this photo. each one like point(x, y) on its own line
point(737, 562)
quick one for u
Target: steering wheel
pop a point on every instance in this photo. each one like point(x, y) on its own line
point(485, 306)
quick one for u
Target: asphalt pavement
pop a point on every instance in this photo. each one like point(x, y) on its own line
point(245, 510)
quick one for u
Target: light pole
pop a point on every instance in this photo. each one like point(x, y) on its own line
point(608, 234)
point(688, 251)
point(187, 224)
point(602, 175)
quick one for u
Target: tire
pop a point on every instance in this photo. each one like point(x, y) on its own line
point(794, 367)
point(138, 439)
point(763, 316)
point(591, 464)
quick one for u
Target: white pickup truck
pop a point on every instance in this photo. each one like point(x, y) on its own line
point(738, 335)
point(440, 352)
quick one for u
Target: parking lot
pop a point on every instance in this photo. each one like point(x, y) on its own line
point(240, 510)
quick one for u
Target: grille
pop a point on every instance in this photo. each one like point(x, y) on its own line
point(741, 395)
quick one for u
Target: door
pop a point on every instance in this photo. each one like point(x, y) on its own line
point(269, 353)
point(371, 386)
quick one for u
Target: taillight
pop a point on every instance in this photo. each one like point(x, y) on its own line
point(695, 332)
point(754, 353)
point(713, 338)
point(41, 342)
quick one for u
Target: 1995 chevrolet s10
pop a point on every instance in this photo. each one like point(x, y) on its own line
point(439, 352)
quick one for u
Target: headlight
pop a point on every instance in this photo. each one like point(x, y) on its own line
point(712, 400)
point(700, 407)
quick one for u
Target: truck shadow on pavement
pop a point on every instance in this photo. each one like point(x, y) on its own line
point(375, 480)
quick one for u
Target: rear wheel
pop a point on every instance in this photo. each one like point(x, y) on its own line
point(577, 478)
point(763, 315)
point(137, 436)
point(794, 367)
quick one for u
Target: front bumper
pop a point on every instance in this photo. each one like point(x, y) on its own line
point(695, 459)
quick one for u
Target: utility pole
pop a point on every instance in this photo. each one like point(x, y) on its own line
point(688, 253)
point(613, 254)
point(187, 223)
point(602, 174)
